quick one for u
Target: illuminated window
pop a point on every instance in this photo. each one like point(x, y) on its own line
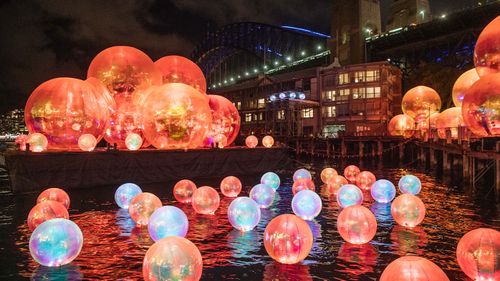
point(329, 95)
point(281, 114)
point(307, 113)
point(248, 117)
point(330, 111)
point(238, 105)
point(344, 94)
point(261, 116)
point(358, 93)
point(261, 103)
point(372, 92)
point(359, 76)
point(372, 75)
point(343, 78)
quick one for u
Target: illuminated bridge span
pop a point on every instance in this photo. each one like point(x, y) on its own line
point(240, 51)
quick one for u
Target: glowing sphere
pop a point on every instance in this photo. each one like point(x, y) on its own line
point(349, 195)
point(56, 242)
point(142, 207)
point(450, 120)
point(413, 268)
point(401, 125)
point(306, 204)
point(356, 224)
point(167, 221)
point(408, 210)
point(87, 142)
point(487, 50)
point(288, 239)
point(125, 120)
point(410, 184)
point(463, 83)
point(477, 254)
point(420, 102)
point(328, 173)
point(21, 141)
point(172, 258)
point(177, 69)
point(481, 104)
point(45, 211)
point(133, 141)
point(267, 141)
point(243, 213)
point(38, 142)
point(225, 119)
point(251, 141)
point(301, 174)
point(335, 183)
point(183, 191)
point(220, 140)
point(54, 194)
point(176, 116)
point(263, 195)
point(351, 172)
point(383, 191)
point(205, 200)
point(230, 186)
point(303, 184)
point(365, 179)
point(271, 179)
point(125, 193)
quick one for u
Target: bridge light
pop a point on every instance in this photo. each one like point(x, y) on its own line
point(276, 62)
point(246, 73)
point(292, 95)
point(255, 70)
point(272, 98)
point(302, 96)
point(289, 58)
point(239, 76)
point(232, 79)
point(265, 66)
point(282, 95)
point(213, 86)
point(423, 14)
point(443, 16)
point(303, 53)
point(319, 47)
point(220, 84)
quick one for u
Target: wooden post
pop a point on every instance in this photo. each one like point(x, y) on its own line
point(380, 147)
point(361, 149)
point(328, 149)
point(373, 149)
point(401, 152)
point(432, 158)
point(446, 163)
point(343, 149)
point(466, 168)
point(297, 146)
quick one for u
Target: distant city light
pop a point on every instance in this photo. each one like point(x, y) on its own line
point(302, 96)
point(319, 47)
point(443, 16)
point(220, 84)
point(225, 81)
point(303, 53)
point(265, 66)
point(239, 77)
point(276, 62)
point(282, 95)
point(255, 70)
point(289, 58)
point(246, 73)
point(292, 95)
point(272, 98)
point(232, 79)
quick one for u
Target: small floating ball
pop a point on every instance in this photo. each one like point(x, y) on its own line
point(263, 195)
point(56, 242)
point(335, 183)
point(142, 207)
point(410, 184)
point(205, 200)
point(303, 184)
point(172, 258)
point(183, 191)
point(38, 142)
point(271, 179)
point(288, 239)
point(357, 224)
point(251, 141)
point(301, 174)
point(230, 186)
point(383, 191)
point(87, 142)
point(349, 195)
point(327, 174)
point(365, 179)
point(243, 213)
point(45, 211)
point(125, 193)
point(167, 221)
point(306, 204)
point(413, 268)
point(54, 194)
point(133, 141)
point(351, 172)
point(267, 141)
point(477, 254)
point(408, 210)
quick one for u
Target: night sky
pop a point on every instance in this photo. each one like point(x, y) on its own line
point(41, 40)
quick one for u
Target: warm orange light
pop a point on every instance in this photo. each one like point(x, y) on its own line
point(413, 268)
point(401, 125)
point(477, 254)
point(487, 50)
point(225, 118)
point(450, 120)
point(251, 141)
point(327, 174)
point(463, 83)
point(178, 69)
point(420, 102)
point(267, 141)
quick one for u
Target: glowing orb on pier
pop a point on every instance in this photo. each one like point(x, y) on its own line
point(383, 191)
point(167, 221)
point(263, 195)
point(420, 102)
point(271, 179)
point(356, 224)
point(178, 69)
point(349, 195)
point(230, 186)
point(401, 125)
point(56, 242)
point(413, 268)
point(125, 193)
point(251, 141)
point(463, 83)
point(124, 120)
point(37, 142)
point(45, 211)
point(133, 141)
point(172, 258)
point(87, 142)
point(142, 207)
point(267, 141)
point(243, 213)
point(288, 239)
point(54, 194)
point(220, 140)
point(205, 200)
point(225, 119)
point(306, 204)
point(183, 191)
point(351, 172)
point(335, 183)
point(487, 50)
point(327, 173)
point(365, 179)
point(303, 184)
point(408, 210)
point(410, 184)
point(449, 122)
point(21, 141)
point(301, 174)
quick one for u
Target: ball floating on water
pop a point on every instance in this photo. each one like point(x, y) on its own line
point(271, 179)
point(230, 186)
point(133, 141)
point(408, 210)
point(413, 268)
point(263, 195)
point(251, 141)
point(383, 191)
point(306, 204)
point(410, 184)
point(328, 173)
point(183, 191)
point(167, 221)
point(301, 174)
point(38, 142)
point(45, 211)
point(125, 193)
point(349, 195)
point(356, 224)
point(54, 194)
point(365, 179)
point(205, 200)
point(477, 254)
point(351, 172)
point(56, 242)
point(142, 207)
point(303, 184)
point(267, 141)
point(243, 213)
point(87, 142)
point(335, 183)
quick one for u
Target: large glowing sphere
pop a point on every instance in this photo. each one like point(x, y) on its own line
point(349, 195)
point(183, 191)
point(288, 239)
point(487, 50)
point(413, 268)
point(463, 83)
point(327, 174)
point(410, 184)
point(306, 204)
point(142, 207)
point(21, 142)
point(401, 125)
point(356, 224)
point(225, 119)
point(301, 174)
point(365, 179)
point(383, 191)
point(177, 69)
point(54, 194)
point(335, 183)
point(251, 141)
point(87, 142)
point(230, 186)
point(37, 142)
point(449, 120)
point(56, 242)
point(408, 210)
point(205, 200)
point(351, 172)
point(303, 184)
point(268, 141)
point(126, 119)
point(420, 102)
point(243, 213)
point(176, 116)
point(167, 221)
point(271, 179)
point(45, 211)
point(125, 193)
point(477, 254)
point(133, 141)
point(480, 108)
point(172, 258)
point(263, 195)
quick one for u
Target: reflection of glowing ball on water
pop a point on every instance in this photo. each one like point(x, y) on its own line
point(349, 195)
point(125, 193)
point(133, 141)
point(267, 141)
point(301, 174)
point(54, 194)
point(205, 200)
point(243, 213)
point(408, 210)
point(365, 179)
point(303, 184)
point(271, 179)
point(413, 268)
point(183, 191)
point(383, 191)
point(351, 172)
point(263, 195)
point(410, 184)
point(37, 142)
point(335, 183)
point(142, 207)
point(87, 142)
point(356, 224)
point(306, 204)
point(45, 211)
point(167, 221)
point(327, 173)
point(230, 186)
point(251, 141)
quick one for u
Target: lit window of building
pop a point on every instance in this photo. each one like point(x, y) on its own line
point(329, 95)
point(358, 93)
point(261, 103)
point(359, 76)
point(261, 116)
point(344, 94)
point(330, 111)
point(372, 75)
point(343, 78)
point(248, 117)
point(372, 92)
point(238, 105)
point(307, 113)
point(281, 114)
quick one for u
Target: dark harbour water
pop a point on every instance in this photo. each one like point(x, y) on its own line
point(114, 249)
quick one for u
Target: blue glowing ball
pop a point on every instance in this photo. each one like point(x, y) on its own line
point(243, 213)
point(349, 195)
point(263, 195)
point(383, 191)
point(56, 242)
point(306, 204)
point(301, 174)
point(410, 184)
point(125, 193)
point(167, 221)
point(271, 179)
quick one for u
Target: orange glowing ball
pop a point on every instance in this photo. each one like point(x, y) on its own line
point(44, 211)
point(38, 142)
point(357, 224)
point(480, 108)
point(87, 142)
point(449, 120)
point(106, 99)
point(327, 174)
point(220, 140)
point(302, 184)
point(365, 179)
point(126, 119)
point(230, 186)
point(408, 210)
point(54, 194)
point(477, 254)
point(225, 118)
point(487, 50)
point(420, 102)
point(21, 141)
point(251, 141)
point(463, 83)
point(177, 69)
point(183, 191)
point(351, 172)
point(268, 141)
point(142, 207)
point(205, 200)
point(401, 125)
point(133, 141)
point(335, 183)
point(288, 239)
point(413, 268)
point(176, 116)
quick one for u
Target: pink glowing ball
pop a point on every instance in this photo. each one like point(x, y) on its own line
point(420, 102)
point(413, 268)
point(303, 184)
point(251, 141)
point(38, 142)
point(288, 239)
point(487, 50)
point(126, 119)
point(44, 211)
point(87, 142)
point(268, 141)
point(54, 194)
point(327, 174)
point(365, 179)
point(142, 207)
point(335, 183)
point(225, 120)
point(21, 141)
point(230, 186)
point(263, 195)
point(205, 200)
point(408, 210)
point(401, 125)
point(183, 191)
point(133, 141)
point(463, 83)
point(178, 69)
point(356, 224)
point(477, 254)
point(450, 120)
point(351, 172)
point(220, 140)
